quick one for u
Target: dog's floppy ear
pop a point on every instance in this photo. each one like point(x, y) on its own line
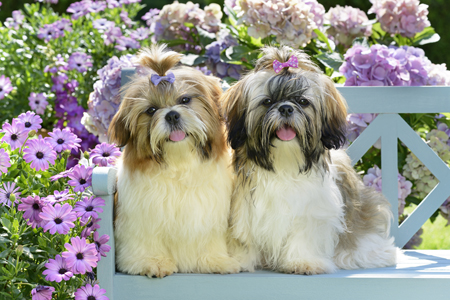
point(118, 130)
point(334, 124)
point(233, 107)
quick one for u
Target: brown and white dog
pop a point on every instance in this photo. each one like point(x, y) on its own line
point(298, 206)
point(174, 183)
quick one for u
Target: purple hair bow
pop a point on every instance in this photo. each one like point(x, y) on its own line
point(156, 79)
point(292, 62)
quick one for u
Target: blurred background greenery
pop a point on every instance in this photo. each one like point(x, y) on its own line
point(438, 15)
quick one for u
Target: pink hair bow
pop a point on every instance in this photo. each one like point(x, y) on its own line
point(292, 62)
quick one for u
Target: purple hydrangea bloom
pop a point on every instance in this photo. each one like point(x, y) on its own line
point(80, 62)
point(382, 65)
point(63, 140)
point(404, 17)
point(90, 292)
point(8, 189)
point(42, 292)
point(39, 153)
point(80, 257)
point(58, 218)
point(104, 101)
point(89, 207)
point(57, 270)
point(373, 178)
point(81, 178)
point(5, 86)
point(105, 154)
point(215, 64)
point(15, 134)
point(38, 102)
point(4, 163)
point(100, 243)
point(32, 207)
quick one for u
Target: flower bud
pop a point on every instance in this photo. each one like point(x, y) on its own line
point(86, 155)
point(12, 197)
point(19, 250)
point(32, 133)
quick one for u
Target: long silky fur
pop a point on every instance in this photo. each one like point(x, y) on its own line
point(173, 198)
point(298, 206)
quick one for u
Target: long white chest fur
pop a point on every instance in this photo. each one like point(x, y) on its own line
point(176, 212)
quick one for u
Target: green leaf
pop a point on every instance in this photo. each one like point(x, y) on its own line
point(330, 60)
point(4, 253)
point(427, 36)
point(206, 37)
point(361, 41)
point(321, 37)
point(193, 59)
point(237, 52)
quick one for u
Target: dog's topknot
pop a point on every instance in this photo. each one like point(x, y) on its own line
point(158, 58)
point(282, 54)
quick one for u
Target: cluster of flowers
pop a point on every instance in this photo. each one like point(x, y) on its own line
point(391, 66)
point(404, 17)
point(67, 110)
point(357, 123)
point(16, 21)
point(215, 64)
point(54, 30)
point(346, 24)
point(57, 213)
point(170, 22)
point(291, 21)
point(105, 100)
point(373, 178)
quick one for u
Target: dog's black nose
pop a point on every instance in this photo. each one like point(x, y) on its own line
point(172, 117)
point(286, 110)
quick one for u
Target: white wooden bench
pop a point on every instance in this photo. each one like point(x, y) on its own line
point(418, 275)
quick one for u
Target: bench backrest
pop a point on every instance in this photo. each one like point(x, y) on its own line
point(388, 102)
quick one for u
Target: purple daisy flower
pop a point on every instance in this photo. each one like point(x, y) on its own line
point(15, 134)
point(39, 153)
point(125, 19)
point(100, 243)
point(140, 34)
point(126, 43)
point(38, 102)
point(59, 218)
point(105, 154)
point(112, 35)
point(63, 174)
point(78, 9)
point(89, 207)
point(4, 161)
point(80, 257)
point(9, 188)
point(102, 24)
point(96, 7)
point(5, 86)
point(42, 292)
point(57, 270)
point(63, 140)
point(58, 197)
point(47, 33)
point(90, 226)
point(80, 62)
point(32, 207)
point(89, 292)
point(81, 178)
point(30, 120)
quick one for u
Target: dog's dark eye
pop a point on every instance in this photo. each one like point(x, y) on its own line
point(185, 100)
point(151, 111)
point(267, 102)
point(302, 101)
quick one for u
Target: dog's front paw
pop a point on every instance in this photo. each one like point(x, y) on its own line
point(158, 267)
point(219, 264)
point(309, 267)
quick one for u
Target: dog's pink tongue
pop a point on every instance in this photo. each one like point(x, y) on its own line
point(176, 136)
point(286, 133)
